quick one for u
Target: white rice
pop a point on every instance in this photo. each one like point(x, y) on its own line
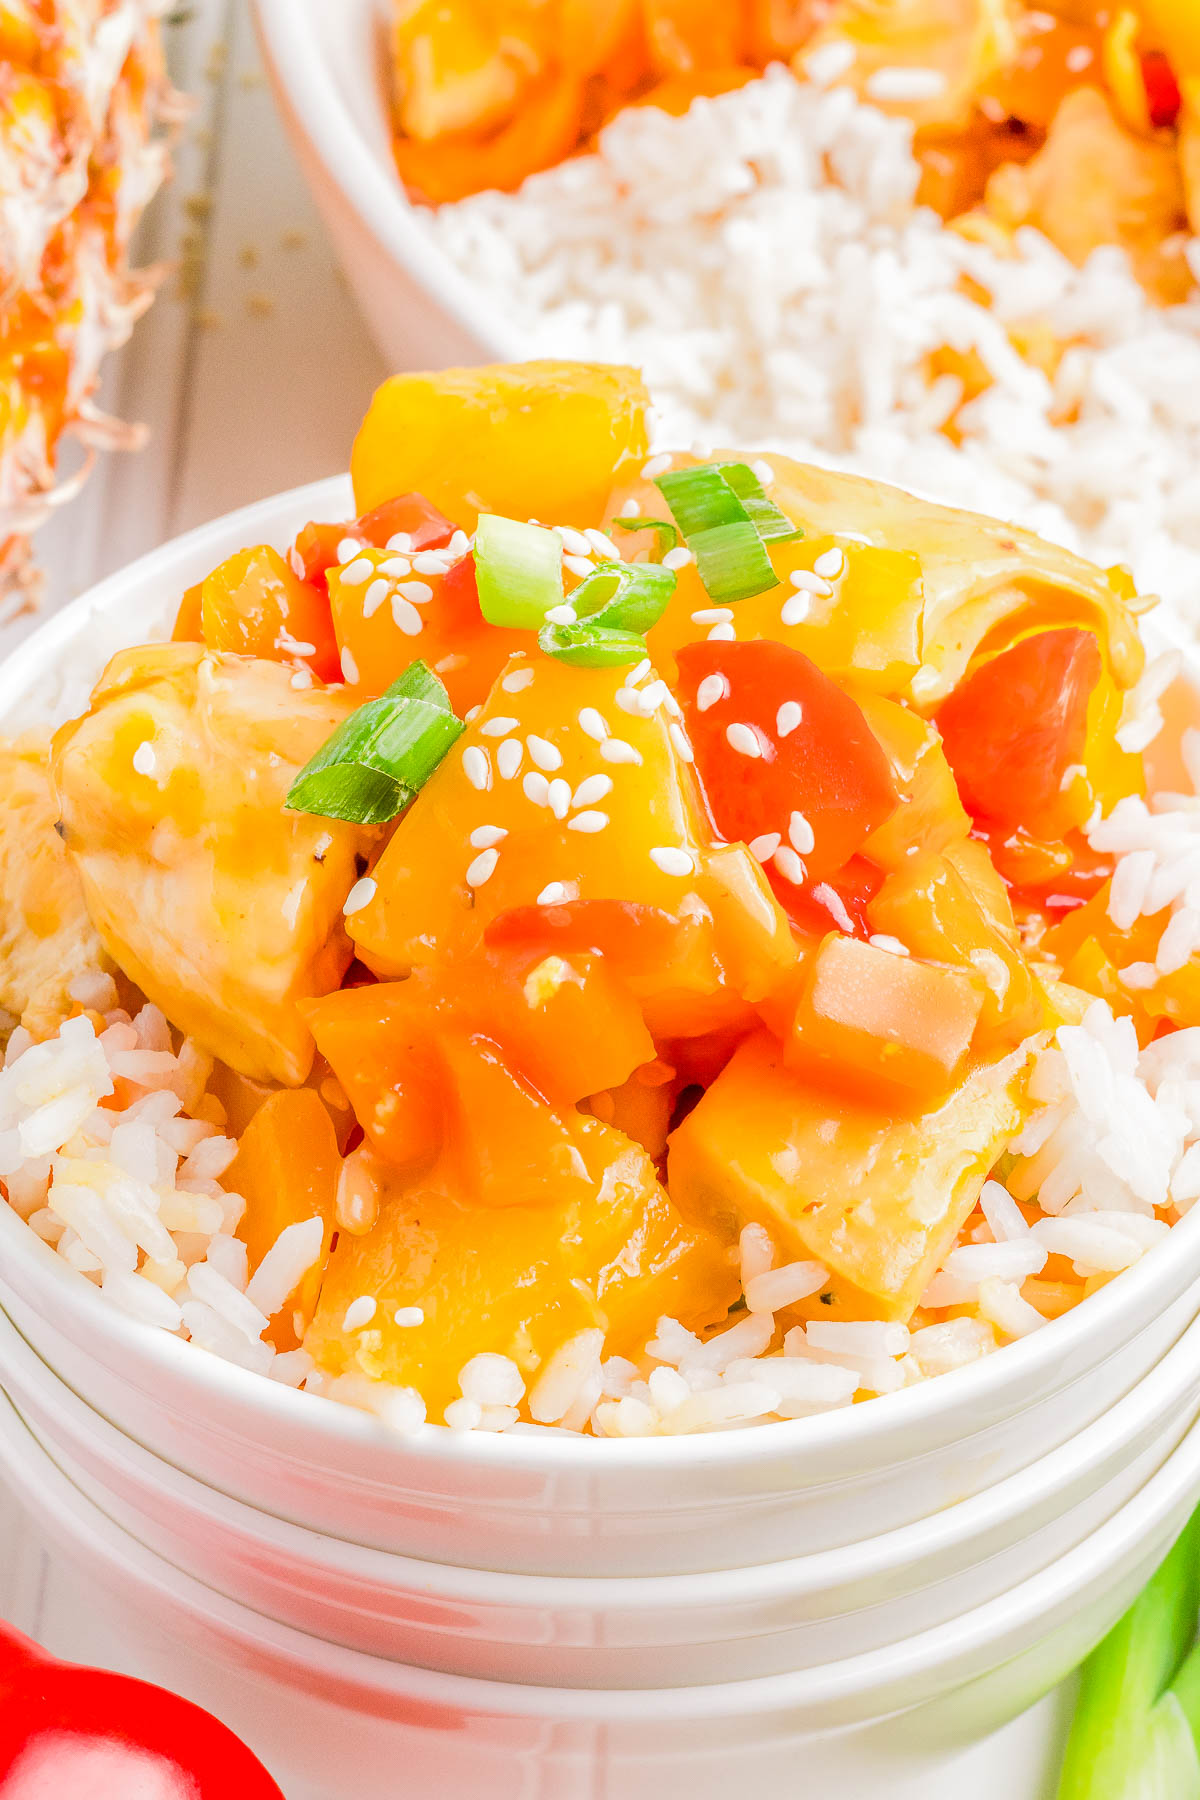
point(763, 261)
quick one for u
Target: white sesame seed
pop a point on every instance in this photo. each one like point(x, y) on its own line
point(833, 903)
point(355, 573)
point(789, 865)
point(484, 836)
point(788, 718)
point(765, 846)
point(574, 542)
point(349, 666)
point(406, 617)
point(658, 465)
point(591, 789)
point(558, 797)
point(882, 941)
point(711, 689)
point(472, 713)
point(296, 562)
point(830, 562)
point(144, 759)
point(723, 633)
point(554, 893)
point(458, 546)
point(348, 549)
point(800, 834)
point(402, 541)
point(616, 750)
point(374, 598)
point(407, 1316)
point(545, 754)
point(603, 546)
point(561, 615)
point(795, 609)
point(360, 895)
point(499, 727)
point(592, 722)
point(483, 867)
point(629, 701)
point(679, 738)
point(763, 472)
point(629, 509)
point(744, 739)
point(323, 843)
point(712, 615)
point(302, 679)
point(588, 821)
point(637, 675)
point(416, 591)
point(509, 758)
point(673, 860)
point(360, 1312)
point(516, 680)
point(477, 768)
point(399, 566)
point(678, 558)
point(656, 694)
point(808, 582)
point(535, 787)
point(1078, 57)
point(430, 562)
point(579, 565)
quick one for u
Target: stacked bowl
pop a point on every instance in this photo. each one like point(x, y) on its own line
point(859, 1595)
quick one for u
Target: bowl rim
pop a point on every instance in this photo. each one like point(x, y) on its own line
point(369, 184)
point(1131, 1296)
point(883, 1553)
point(891, 1668)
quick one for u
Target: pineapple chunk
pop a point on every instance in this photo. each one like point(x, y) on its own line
point(877, 1198)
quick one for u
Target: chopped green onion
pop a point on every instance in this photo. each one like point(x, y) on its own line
point(668, 534)
point(518, 572)
point(1136, 1729)
point(719, 531)
point(589, 646)
point(382, 755)
point(771, 525)
point(624, 596)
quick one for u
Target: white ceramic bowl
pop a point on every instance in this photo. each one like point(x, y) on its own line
point(333, 1722)
point(548, 1505)
point(329, 69)
point(649, 1631)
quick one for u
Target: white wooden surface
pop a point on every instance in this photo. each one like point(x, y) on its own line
point(252, 375)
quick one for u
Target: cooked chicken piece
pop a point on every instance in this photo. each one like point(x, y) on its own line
point(224, 908)
point(46, 937)
point(1092, 183)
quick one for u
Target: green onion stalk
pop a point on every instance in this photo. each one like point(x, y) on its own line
point(1136, 1731)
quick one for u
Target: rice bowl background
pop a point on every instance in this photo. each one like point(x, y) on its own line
point(544, 1502)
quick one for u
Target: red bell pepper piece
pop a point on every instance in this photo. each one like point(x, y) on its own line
point(1014, 727)
point(1163, 98)
point(68, 1731)
point(774, 737)
point(412, 514)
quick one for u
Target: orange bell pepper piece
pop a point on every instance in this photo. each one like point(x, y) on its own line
point(872, 1021)
point(286, 1170)
point(255, 604)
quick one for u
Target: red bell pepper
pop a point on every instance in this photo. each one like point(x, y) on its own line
point(88, 1734)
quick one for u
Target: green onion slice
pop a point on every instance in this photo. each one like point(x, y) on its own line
point(772, 526)
point(382, 755)
point(624, 596)
point(668, 534)
point(591, 646)
point(730, 556)
point(518, 572)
